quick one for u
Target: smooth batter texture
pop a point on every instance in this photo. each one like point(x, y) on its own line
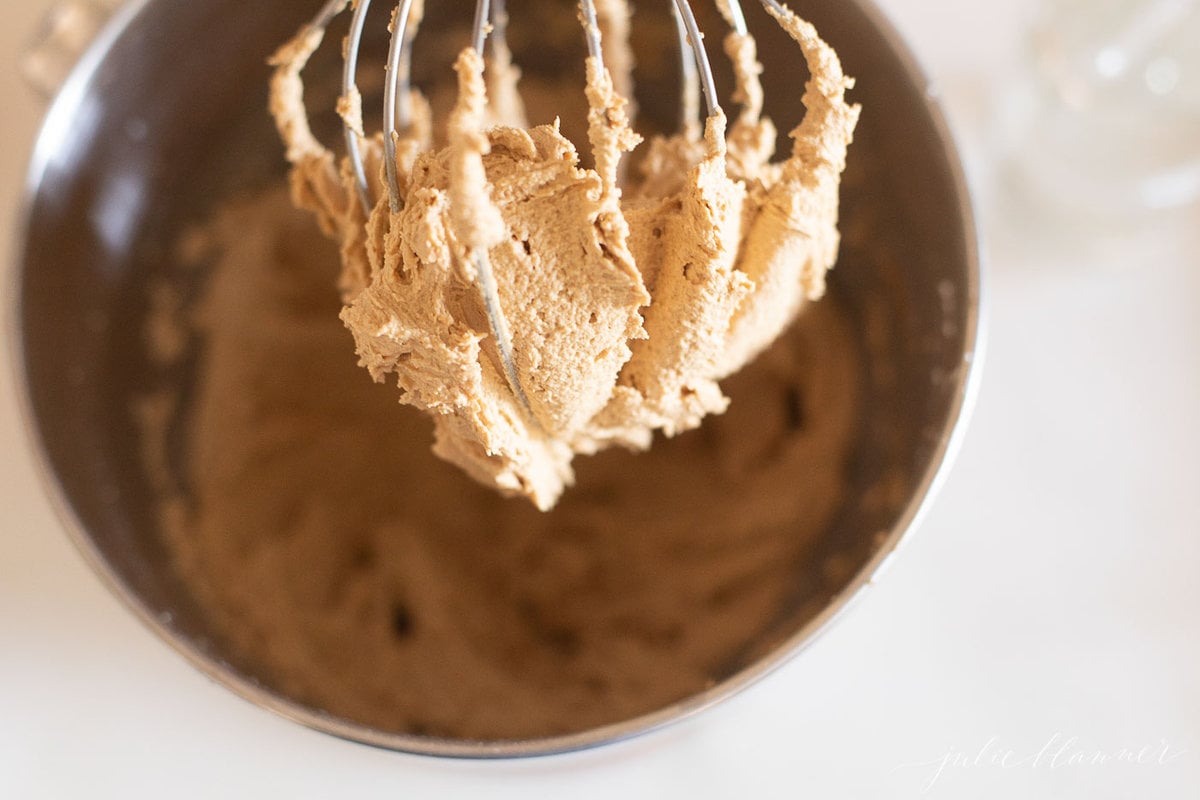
point(621, 306)
point(351, 569)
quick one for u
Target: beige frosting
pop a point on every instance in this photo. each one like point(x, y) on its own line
point(338, 560)
point(619, 307)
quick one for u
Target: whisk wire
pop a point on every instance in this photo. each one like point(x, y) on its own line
point(689, 80)
point(731, 10)
point(591, 29)
point(328, 12)
point(696, 40)
point(349, 92)
point(480, 26)
point(397, 73)
point(491, 18)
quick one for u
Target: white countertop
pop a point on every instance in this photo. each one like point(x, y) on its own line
point(1044, 616)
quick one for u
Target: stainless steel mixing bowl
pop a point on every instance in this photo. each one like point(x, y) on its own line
point(165, 114)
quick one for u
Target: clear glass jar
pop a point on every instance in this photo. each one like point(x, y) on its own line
point(1108, 124)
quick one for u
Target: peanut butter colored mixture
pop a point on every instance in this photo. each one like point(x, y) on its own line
point(626, 299)
point(335, 557)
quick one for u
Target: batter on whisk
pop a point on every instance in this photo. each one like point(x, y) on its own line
point(539, 309)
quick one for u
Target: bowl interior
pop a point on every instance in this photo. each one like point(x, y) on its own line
point(165, 121)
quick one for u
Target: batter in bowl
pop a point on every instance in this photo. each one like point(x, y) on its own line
point(353, 570)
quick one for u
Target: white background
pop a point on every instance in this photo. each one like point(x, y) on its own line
point(1049, 601)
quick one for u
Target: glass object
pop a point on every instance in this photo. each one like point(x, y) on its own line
point(1107, 129)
